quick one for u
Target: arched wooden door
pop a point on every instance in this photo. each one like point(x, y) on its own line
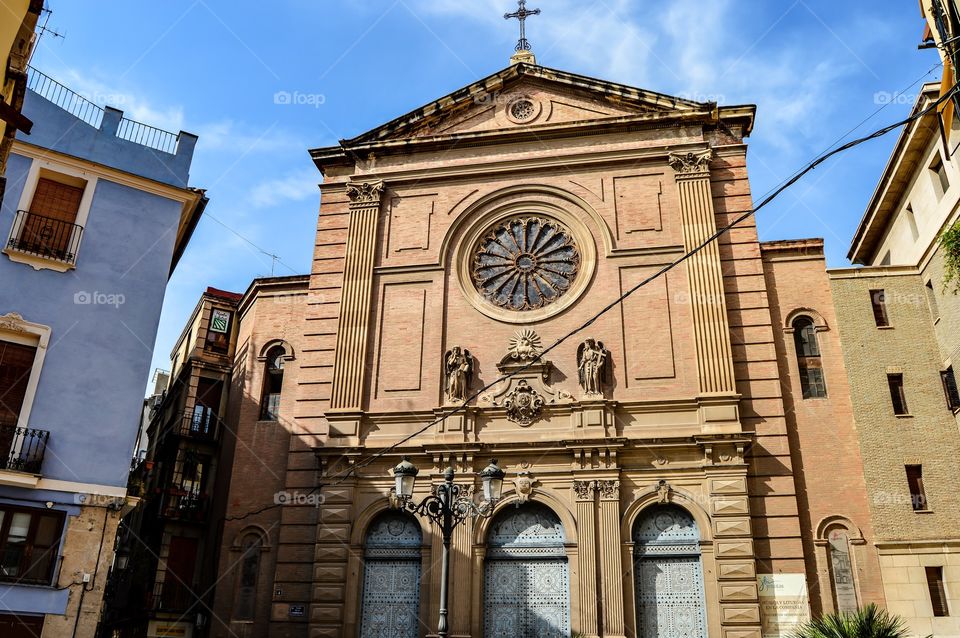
point(391, 578)
point(668, 574)
point(526, 587)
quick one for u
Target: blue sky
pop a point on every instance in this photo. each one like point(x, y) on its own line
point(815, 69)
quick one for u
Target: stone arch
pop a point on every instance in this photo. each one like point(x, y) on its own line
point(509, 498)
point(829, 523)
point(364, 519)
point(819, 323)
point(680, 497)
point(259, 530)
point(289, 353)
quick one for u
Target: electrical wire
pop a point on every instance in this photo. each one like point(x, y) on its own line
point(797, 176)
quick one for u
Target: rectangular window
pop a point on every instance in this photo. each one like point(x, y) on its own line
point(918, 497)
point(49, 227)
point(897, 395)
point(938, 595)
point(932, 300)
point(29, 543)
point(949, 381)
point(886, 259)
point(941, 183)
point(879, 302)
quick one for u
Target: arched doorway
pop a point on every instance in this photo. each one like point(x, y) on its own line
point(526, 585)
point(391, 578)
point(668, 574)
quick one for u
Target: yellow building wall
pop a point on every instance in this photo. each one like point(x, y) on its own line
point(14, 11)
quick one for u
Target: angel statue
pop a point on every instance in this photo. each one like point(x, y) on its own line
point(458, 369)
point(593, 364)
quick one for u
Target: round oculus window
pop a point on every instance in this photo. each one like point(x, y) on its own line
point(522, 110)
point(525, 263)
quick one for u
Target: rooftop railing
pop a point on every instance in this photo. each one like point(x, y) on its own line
point(82, 108)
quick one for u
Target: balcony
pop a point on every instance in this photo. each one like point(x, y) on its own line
point(22, 449)
point(171, 596)
point(45, 237)
point(183, 505)
point(202, 423)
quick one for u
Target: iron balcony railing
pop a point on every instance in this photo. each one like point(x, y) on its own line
point(22, 449)
point(201, 423)
point(184, 505)
point(171, 595)
point(45, 237)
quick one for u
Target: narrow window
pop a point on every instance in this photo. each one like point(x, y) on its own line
point(886, 259)
point(918, 498)
point(897, 395)
point(950, 388)
point(16, 365)
point(938, 595)
point(245, 607)
point(941, 183)
point(912, 222)
point(808, 358)
point(932, 300)
point(272, 384)
point(879, 302)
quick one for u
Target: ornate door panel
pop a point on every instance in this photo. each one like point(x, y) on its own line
point(526, 598)
point(391, 599)
point(668, 575)
point(391, 578)
point(526, 579)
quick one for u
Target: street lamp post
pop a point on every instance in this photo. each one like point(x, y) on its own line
point(448, 506)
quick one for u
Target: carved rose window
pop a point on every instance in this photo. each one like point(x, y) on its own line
point(522, 110)
point(525, 263)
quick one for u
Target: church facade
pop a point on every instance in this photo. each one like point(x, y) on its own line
point(683, 464)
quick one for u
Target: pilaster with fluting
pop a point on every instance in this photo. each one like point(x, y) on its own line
point(611, 567)
point(354, 320)
point(705, 275)
point(585, 493)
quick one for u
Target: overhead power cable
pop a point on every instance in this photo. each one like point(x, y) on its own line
point(344, 475)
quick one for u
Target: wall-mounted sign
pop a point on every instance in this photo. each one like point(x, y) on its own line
point(169, 629)
point(784, 605)
point(219, 320)
point(298, 611)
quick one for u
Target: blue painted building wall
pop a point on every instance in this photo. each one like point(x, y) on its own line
point(90, 391)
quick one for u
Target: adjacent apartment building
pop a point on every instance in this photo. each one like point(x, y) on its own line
point(97, 212)
point(16, 43)
point(898, 318)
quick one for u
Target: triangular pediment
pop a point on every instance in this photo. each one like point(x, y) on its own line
point(523, 96)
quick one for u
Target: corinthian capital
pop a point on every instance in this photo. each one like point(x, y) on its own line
point(364, 193)
point(691, 163)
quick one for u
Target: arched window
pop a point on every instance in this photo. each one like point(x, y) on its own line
point(808, 358)
point(391, 577)
point(668, 574)
point(841, 571)
point(526, 589)
point(272, 384)
point(245, 603)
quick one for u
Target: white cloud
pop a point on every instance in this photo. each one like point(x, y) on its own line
point(291, 188)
